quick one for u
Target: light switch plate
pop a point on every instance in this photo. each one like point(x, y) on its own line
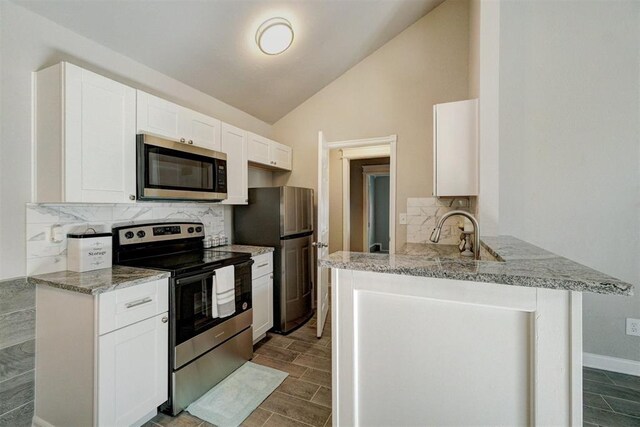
point(403, 218)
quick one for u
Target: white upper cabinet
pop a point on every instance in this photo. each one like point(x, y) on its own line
point(85, 137)
point(264, 151)
point(234, 144)
point(163, 118)
point(455, 144)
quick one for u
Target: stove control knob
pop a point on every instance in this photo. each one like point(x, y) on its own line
point(198, 229)
point(244, 305)
point(141, 234)
point(129, 234)
point(190, 229)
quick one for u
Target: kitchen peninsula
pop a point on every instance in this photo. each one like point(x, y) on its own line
point(502, 334)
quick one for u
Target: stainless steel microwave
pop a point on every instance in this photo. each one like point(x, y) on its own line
point(172, 170)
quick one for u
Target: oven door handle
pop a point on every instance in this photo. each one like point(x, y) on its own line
point(196, 278)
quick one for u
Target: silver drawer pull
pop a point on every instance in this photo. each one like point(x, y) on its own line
point(219, 335)
point(139, 302)
point(263, 265)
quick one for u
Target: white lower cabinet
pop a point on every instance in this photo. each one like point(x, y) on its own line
point(132, 371)
point(102, 359)
point(262, 295)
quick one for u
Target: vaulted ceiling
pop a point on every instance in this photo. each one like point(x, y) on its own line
point(210, 44)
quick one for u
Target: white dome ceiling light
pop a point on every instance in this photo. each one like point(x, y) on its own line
point(274, 36)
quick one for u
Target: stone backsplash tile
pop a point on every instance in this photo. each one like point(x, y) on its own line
point(46, 256)
point(18, 417)
point(16, 391)
point(17, 327)
point(424, 212)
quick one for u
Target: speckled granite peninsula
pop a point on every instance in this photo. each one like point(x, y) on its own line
point(98, 281)
point(512, 262)
point(253, 250)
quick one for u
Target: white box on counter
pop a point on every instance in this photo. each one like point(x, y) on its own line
point(88, 251)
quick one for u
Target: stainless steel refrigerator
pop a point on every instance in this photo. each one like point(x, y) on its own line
point(282, 217)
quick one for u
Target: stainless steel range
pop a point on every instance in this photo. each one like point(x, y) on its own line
point(210, 332)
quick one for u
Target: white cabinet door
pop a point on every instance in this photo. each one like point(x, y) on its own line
point(280, 156)
point(100, 138)
point(132, 371)
point(199, 129)
point(262, 302)
point(455, 143)
point(258, 149)
point(158, 116)
point(234, 144)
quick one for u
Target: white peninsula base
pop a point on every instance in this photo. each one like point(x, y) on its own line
point(422, 351)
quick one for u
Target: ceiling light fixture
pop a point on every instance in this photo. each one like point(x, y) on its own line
point(274, 36)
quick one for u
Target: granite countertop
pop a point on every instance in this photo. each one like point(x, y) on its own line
point(98, 281)
point(509, 261)
point(253, 250)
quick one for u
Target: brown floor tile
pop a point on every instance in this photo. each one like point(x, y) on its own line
point(302, 389)
point(275, 340)
point(309, 335)
point(323, 397)
point(295, 371)
point(278, 420)
point(257, 418)
point(310, 348)
point(298, 409)
point(328, 423)
point(320, 363)
point(277, 353)
point(317, 377)
point(184, 419)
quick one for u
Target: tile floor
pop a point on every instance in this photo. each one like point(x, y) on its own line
point(610, 399)
point(302, 400)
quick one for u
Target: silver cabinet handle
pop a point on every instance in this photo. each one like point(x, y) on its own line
point(139, 302)
point(165, 319)
point(182, 140)
point(319, 245)
point(132, 197)
point(263, 265)
point(190, 141)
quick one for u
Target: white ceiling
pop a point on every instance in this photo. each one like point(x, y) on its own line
point(210, 44)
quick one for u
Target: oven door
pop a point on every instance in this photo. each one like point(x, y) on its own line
point(194, 330)
point(177, 171)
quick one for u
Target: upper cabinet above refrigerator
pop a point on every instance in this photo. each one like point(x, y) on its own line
point(267, 153)
point(455, 149)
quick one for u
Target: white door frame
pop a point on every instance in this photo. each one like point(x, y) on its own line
point(368, 171)
point(362, 149)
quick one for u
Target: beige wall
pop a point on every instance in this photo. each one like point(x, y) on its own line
point(392, 91)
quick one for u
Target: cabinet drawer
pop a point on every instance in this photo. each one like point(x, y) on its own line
point(130, 305)
point(263, 264)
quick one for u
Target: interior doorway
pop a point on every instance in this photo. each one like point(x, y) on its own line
point(375, 209)
point(361, 210)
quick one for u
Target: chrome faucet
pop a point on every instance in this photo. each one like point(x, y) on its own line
point(435, 235)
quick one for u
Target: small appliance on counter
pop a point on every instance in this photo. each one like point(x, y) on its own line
point(88, 251)
point(210, 312)
point(282, 217)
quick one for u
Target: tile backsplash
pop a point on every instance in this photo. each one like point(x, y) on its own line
point(424, 212)
point(46, 256)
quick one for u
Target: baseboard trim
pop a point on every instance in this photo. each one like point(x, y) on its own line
point(608, 363)
point(39, 422)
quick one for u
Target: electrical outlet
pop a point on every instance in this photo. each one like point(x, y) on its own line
point(633, 327)
point(403, 218)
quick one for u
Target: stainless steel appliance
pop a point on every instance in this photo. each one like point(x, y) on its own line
point(177, 170)
point(282, 217)
point(203, 349)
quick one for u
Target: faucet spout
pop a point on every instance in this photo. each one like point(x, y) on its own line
point(435, 235)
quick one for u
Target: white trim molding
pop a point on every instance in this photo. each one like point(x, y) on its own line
point(613, 364)
point(369, 148)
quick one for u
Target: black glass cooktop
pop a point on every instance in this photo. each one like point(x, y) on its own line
point(187, 262)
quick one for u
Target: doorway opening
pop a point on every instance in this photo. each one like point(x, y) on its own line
point(375, 209)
